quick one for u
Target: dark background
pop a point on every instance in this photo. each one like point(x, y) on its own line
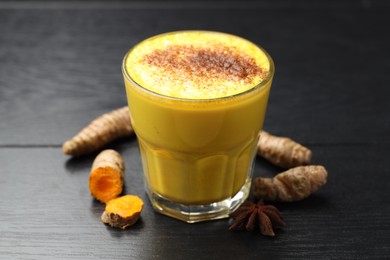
point(60, 68)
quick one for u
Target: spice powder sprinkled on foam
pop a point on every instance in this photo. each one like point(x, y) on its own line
point(197, 65)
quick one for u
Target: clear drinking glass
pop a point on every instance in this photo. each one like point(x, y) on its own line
point(197, 154)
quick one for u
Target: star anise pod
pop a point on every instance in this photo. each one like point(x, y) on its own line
point(267, 217)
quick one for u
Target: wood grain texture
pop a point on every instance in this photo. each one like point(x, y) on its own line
point(60, 68)
point(48, 213)
point(330, 64)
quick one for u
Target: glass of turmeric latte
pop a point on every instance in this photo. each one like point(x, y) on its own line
point(197, 102)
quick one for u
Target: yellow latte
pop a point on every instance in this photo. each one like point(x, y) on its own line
point(197, 65)
point(197, 102)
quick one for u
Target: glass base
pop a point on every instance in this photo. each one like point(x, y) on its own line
point(198, 213)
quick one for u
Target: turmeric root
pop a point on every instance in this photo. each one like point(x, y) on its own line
point(106, 177)
point(104, 129)
point(292, 185)
point(122, 212)
point(282, 151)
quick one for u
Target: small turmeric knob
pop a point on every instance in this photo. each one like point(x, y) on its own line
point(123, 212)
point(292, 185)
point(282, 151)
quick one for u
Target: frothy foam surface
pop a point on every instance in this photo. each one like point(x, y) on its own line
point(197, 65)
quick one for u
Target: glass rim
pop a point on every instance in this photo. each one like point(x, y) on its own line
point(264, 82)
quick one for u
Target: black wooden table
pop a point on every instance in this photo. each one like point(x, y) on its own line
point(60, 68)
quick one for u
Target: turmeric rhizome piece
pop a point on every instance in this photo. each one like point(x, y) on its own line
point(101, 131)
point(106, 177)
point(122, 212)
